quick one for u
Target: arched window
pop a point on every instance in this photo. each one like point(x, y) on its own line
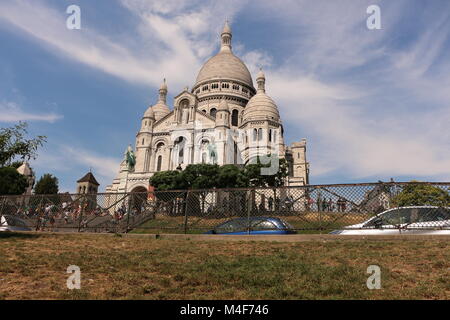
point(235, 153)
point(255, 134)
point(260, 134)
point(159, 147)
point(213, 112)
point(143, 141)
point(270, 135)
point(234, 117)
point(179, 145)
point(159, 164)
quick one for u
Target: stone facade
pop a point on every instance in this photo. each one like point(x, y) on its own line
point(224, 119)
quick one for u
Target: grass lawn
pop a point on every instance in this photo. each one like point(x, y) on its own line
point(116, 267)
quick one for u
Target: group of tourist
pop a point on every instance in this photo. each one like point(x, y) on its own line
point(328, 205)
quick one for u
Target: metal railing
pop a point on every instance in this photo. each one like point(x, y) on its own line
point(308, 209)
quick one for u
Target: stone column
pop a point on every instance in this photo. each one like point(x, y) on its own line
point(169, 159)
point(152, 160)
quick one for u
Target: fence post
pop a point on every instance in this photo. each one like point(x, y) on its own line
point(249, 208)
point(319, 209)
point(130, 204)
point(185, 212)
point(80, 221)
point(3, 204)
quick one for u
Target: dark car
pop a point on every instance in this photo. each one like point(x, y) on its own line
point(253, 226)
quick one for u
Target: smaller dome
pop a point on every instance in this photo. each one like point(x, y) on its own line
point(261, 107)
point(161, 110)
point(260, 75)
point(223, 105)
point(149, 113)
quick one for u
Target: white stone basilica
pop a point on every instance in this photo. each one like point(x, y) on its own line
point(222, 120)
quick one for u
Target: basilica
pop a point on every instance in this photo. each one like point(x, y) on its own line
point(223, 119)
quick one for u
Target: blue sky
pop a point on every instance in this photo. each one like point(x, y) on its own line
point(372, 104)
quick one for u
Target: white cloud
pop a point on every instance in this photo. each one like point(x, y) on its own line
point(106, 166)
point(388, 120)
point(12, 112)
point(179, 42)
point(347, 138)
point(68, 159)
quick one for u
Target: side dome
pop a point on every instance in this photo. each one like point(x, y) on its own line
point(261, 106)
point(149, 113)
point(160, 110)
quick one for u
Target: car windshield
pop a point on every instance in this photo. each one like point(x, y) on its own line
point(429, 215)
point(262, 224)
point(243, 224)
point(237, 225)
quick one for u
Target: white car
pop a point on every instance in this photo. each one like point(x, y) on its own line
point(403, 220)
point(11, 223)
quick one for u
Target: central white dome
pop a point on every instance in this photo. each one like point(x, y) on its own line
point(226, 66)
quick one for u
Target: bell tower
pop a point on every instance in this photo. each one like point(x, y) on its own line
point(88, 184)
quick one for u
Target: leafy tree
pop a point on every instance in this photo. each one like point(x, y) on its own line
point(14, 144)
point(419, 194)
point(47, 184)
point(199, 176)
point(207, 176)
point(255, 177)
point(230, 176)
point(165, 180)
point(12, 182)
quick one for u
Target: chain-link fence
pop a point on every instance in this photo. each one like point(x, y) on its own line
point(370, 207)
